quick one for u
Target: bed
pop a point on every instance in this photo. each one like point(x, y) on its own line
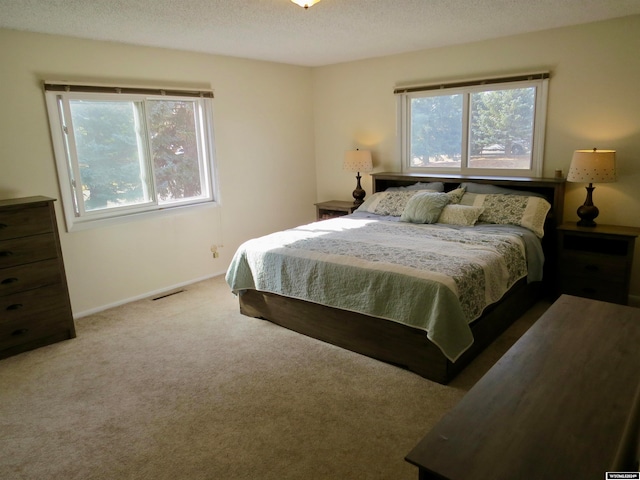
point(369, 281)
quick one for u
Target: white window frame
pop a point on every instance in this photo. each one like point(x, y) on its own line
point(540, 81)
point(76, 217)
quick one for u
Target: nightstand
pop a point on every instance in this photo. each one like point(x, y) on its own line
point(334, 208)
point(595, 262)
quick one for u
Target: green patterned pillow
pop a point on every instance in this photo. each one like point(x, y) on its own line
point(424, 207)
point(528, 212)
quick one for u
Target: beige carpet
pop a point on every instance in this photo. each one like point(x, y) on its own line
point(187, 388)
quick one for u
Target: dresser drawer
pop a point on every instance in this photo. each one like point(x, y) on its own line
point(17, 251)
point(29, 276)
point(25, 222)
point(593, 265)
point(19, 333)
point(33, 304)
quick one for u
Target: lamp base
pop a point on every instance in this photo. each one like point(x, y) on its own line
point(588, 212)
point(358, 193)
point(586, 223)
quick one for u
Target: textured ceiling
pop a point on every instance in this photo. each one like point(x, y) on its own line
point(332, 31)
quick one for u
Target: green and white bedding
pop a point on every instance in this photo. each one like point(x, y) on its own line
point(437, 278)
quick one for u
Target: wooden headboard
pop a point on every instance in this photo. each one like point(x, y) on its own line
point(551, 188)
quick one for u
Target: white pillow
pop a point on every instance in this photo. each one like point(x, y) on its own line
point(460, 215)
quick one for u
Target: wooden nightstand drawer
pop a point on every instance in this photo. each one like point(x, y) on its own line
point(29, 276)
point(596, 289)
point(25, 222)
point(32, 304)
point(17, 251)
point(592, 265)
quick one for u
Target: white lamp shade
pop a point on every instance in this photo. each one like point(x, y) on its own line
point(358, 161)
point(593, 166)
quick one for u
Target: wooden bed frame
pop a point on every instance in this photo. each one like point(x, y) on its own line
point(405, 346)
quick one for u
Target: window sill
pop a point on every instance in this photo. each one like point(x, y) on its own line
point(74, 225)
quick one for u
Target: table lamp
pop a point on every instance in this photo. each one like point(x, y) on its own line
point(591, 166)
point(358, 161)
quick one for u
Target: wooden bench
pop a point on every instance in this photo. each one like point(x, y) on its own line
point(563, 402)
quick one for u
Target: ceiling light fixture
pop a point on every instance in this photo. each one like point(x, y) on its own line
point(305, 3)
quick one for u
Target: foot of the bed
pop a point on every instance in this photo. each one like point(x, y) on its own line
point(390, 342)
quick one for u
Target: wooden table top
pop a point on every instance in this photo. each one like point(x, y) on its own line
point(563, 402)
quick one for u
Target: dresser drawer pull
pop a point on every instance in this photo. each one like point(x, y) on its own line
point(6, 253)
point(592, 268)
point(20, 331)
point(8, 281)
point(15, 306)
point(3, 225)
point(589, 291)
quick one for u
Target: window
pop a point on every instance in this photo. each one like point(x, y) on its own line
point(122, 152)
point(493, 127)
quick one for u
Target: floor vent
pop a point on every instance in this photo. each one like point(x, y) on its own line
point(167, 295)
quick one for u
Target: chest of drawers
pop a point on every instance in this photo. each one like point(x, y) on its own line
point(34, 299)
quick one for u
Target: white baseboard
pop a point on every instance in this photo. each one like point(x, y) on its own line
point(144, 295)
point(634, 301)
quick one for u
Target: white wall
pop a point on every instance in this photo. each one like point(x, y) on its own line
point(594, 101)
point(264, 147)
